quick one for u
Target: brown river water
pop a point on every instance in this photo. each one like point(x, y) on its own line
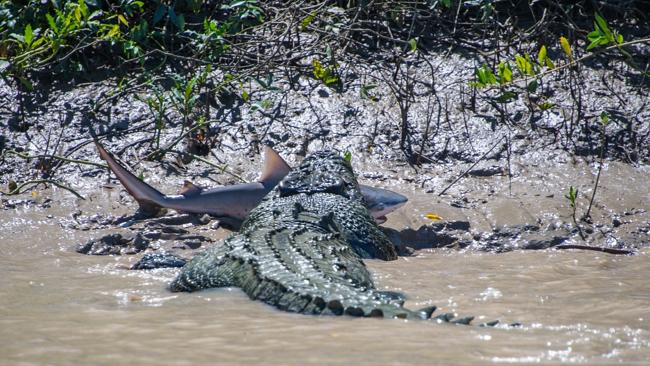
point(58, 307)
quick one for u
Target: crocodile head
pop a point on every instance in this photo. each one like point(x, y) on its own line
point(322, 172)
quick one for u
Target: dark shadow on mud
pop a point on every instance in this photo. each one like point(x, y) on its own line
point(457, 235)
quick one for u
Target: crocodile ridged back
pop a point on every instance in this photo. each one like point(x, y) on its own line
point(301, 249)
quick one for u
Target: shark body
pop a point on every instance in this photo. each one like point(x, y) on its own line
point(232, 204)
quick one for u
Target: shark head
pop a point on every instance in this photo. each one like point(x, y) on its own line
point(381, 202)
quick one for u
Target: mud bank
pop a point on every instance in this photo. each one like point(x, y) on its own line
point(516, 168)
point(487, 212)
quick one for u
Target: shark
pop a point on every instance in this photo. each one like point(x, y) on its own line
point(232, 204)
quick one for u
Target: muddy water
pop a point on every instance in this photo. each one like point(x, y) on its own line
point(59, 307)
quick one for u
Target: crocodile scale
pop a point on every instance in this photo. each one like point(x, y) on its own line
point(301, 249)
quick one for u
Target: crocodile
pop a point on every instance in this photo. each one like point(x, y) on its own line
point(302, 249)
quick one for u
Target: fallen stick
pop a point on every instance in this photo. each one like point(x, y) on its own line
point(471, 167)
point(596, 249)
point(35, 182)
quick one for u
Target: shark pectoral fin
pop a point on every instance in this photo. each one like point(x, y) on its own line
point(190, 189)
point(275, 168)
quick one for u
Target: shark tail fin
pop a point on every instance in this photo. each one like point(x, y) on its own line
point(149, 199)
point(275, 168)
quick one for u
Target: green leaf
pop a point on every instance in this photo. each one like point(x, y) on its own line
point(113, 32)
point(595, 43)
point(245, 96)
point(604, 118)
point(541, 56)
point(263, 105)
point(325, 74)
point(413, 43)
point(317, 69)
point(331, 80)
point(546, 105)
point(543, 59)
point(505, 72)
point(602, 24)
point(521, 63)
point(160, 12)
point(209, 25)
point(485, 75)
point(77, 15)
point(189, 88)
point(122, 20)
point(549, 63)
point(267, 104)
point(532, 86)
point(29, 34)
point(83, 9)
point(530, 68)
point(572, 196)
point(490, 78)
point(52, 23)
point(524, 65)
point(177, 20)
point(307, 21)
point(364, 92)
point(347, 156)
point(566, 47)
point(619, 38)
point(594, 34)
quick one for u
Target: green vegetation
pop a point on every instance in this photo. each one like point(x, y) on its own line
point(543, 65)
point(73, 35)
point(347, 156)
point(572, 196)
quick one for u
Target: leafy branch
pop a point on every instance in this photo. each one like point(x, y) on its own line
point(601, 36)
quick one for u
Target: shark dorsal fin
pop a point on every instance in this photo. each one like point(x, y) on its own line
point(190, 189)
point(275, 168)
